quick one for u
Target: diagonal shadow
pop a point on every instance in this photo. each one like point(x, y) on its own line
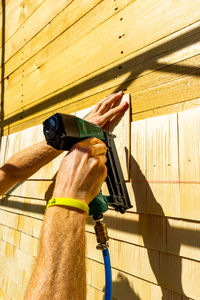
point(133, 67)
point(27, 207)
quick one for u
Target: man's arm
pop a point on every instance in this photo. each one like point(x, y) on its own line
point(60, 270)
point(25, 163)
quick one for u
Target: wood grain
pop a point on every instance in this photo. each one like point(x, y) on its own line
point(42, 78)
point(189, 155)
point(64, 28)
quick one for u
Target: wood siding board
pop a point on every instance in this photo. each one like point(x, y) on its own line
point(173, 272)
point(64, 27)
point(168, 275)
point(163, 198)
point(93, 293)
point(17, 13)
point(168, 109)
point(177, 91)
point(137, 187)
point(9, 219)
point(11, 236)
point(180, 275)
point(66, 57)
point(189, 154)
point(139, 229)
point(34, 118)
point(25, 206)
point(25, 260)
point(178, 46)
point(183, 238)
point(191, 38)
point(126, 286)
point(33, 25)
point(131, 259)
point(133, 86)
point(29, 244)
point(173, 236)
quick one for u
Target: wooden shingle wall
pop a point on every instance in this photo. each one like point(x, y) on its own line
point(65, 56)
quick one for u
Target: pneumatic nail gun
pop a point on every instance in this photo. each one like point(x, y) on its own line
point(63, 131)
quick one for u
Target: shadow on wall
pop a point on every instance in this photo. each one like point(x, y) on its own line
point(122, 285)
point(122, 290)
point(133, 67)
point(174, 274)
point(142, 227)
point(10, 200)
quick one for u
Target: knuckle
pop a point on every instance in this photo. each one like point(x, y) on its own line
point(85, 156)
point(95, 163)
point(106, 104)
point(95, 140)
point(91, 141)
point(98, 121)
point(89, 150)
point(98, 105)
point(77, 146)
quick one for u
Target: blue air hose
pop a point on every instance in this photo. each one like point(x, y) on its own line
point(108, 275)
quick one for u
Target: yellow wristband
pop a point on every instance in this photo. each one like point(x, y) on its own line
point(69, 202)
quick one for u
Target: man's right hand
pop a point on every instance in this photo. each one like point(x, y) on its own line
point(82, 171)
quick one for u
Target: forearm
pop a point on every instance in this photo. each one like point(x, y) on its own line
point(25, 163)
point(60, 270)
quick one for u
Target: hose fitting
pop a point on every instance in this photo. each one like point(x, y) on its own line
point(101, 234)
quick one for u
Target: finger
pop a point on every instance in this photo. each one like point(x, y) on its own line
point(99, 149)
point(98, 162)
point(107, 104)
point(95, 150)
point(94, 141)
point(92, 146)
point(98, 105)
point(113, 113)
point(88, 142)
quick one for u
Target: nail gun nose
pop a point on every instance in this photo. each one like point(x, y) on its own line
point(50, 129)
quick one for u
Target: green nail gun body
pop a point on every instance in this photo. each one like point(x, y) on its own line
point(63, 131)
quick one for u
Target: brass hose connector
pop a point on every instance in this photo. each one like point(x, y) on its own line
point(101, 234)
